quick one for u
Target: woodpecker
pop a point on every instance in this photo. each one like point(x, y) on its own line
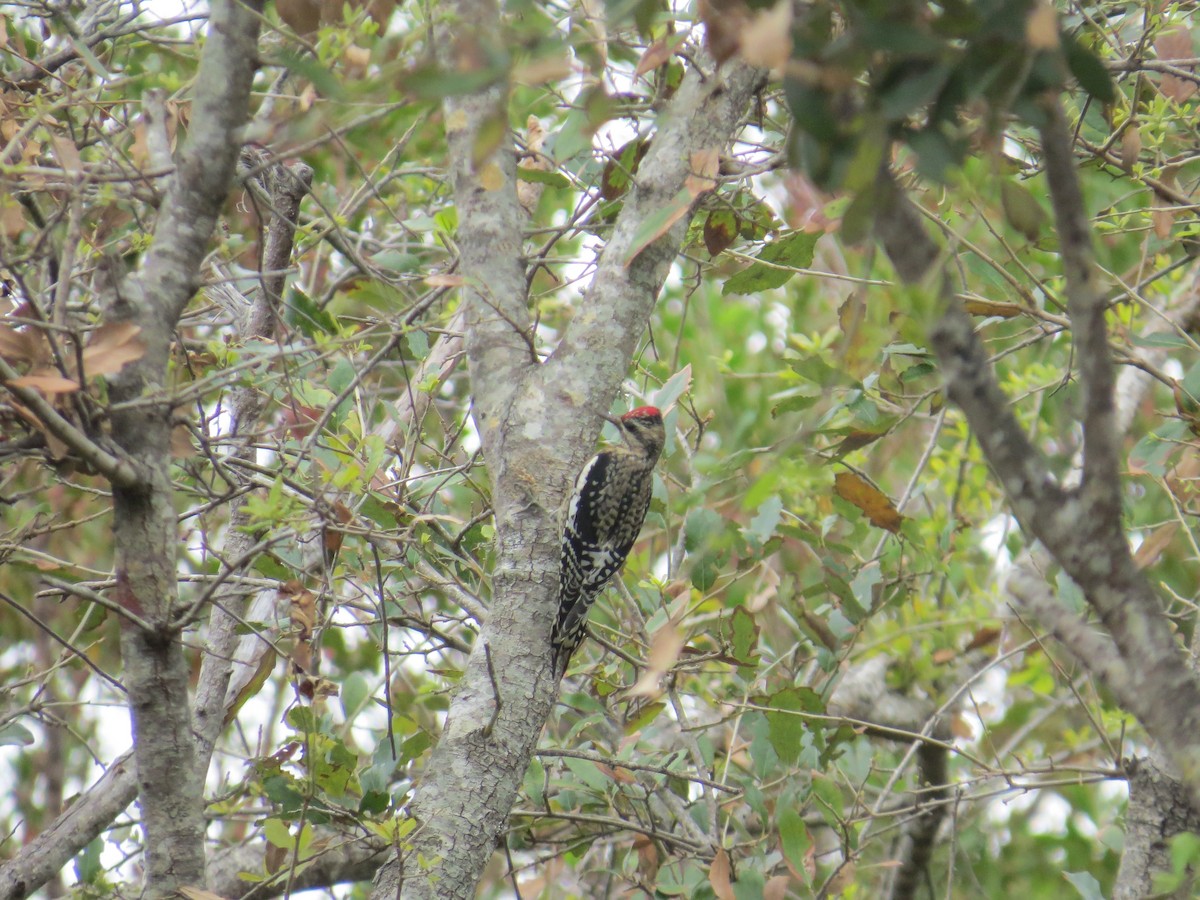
point(603, 521)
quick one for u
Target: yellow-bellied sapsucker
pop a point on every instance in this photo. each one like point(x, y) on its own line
point(603, 520)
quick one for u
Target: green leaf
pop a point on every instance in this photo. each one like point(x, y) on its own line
point(586, 771)
point(1021, 209)
point(658, 223)
point(675, 385)
point(88, 868)
point(14, 734)
point(538, 176)
point(301, 312)
point(278, 834)
point(700, 527)
point(745, 634)
point(794, 839)
point(1089, 70)
point(354, 694)
point(795, 251)
point(765, 521)
point(1152, 452)
point(786, 729)
point(313, 71)
point(1086, 884)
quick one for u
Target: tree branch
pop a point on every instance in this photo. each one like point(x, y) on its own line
point(1086, 304)
point(117, 470)
point(1158, 686)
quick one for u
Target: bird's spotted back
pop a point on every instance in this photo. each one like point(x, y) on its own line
point(604, 518)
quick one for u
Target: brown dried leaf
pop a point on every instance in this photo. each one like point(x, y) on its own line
point(542, 70)
point(656, 54)
point(274, 858)
point(723, 23)
point(776, 887)
point(766, 40)
point(617, 774)
point(181, 442)
point(720, 875)
point(703, 177)
point(982, 638)
point(1131, 146)
point(1153, 546)
point(194, 893)
point(654, 228)
point(445, 280)
point(12, 218)
point(1041, 28)
point(335, 536)
point(111, 347)
point(58, 450)
point(842, 879)
point(647, 854)
point(302, 16)
point(139, 150)
point(1173, 45)
point(46, 383)
point(943, 655)
point(874, 504)
point(720, 231)
point(66, 152)
point(665, 648)
point(1162, 218)
point(960, 727)
point(302, 610)
point(18, 346)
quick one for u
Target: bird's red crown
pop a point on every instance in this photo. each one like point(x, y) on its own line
point(642, 412)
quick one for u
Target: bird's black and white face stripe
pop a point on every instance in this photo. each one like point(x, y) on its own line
point(643, 428)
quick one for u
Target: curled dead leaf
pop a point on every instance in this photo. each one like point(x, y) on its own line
point(992, 308)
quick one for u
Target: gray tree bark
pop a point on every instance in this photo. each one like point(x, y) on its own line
point(537, 422)
point(162, 770)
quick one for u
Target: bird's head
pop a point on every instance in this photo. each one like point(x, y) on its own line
point(643, 430)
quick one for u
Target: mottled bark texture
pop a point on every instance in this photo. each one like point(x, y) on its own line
point(170, 792)
point(537, 422)
point(1157, 811)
